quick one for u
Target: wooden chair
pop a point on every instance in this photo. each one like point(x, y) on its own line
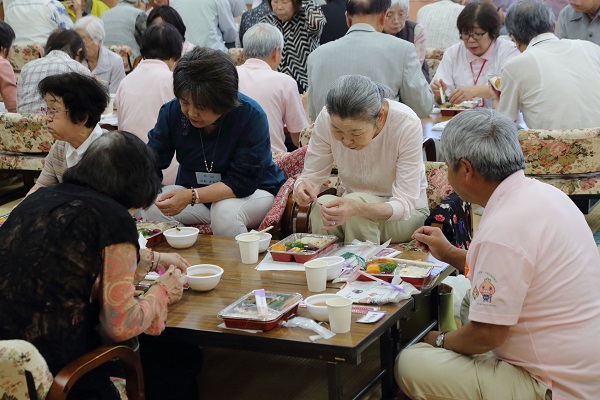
point(25, 374)
point(21, 55)
point(24, 144)
point(568, 159)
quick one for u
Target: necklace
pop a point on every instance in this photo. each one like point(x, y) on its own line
point(212, 162)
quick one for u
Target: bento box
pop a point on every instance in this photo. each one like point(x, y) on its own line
point(409, 271)
point(152, 231)
point(301, 247)
point(243, 313)
point(382, 268)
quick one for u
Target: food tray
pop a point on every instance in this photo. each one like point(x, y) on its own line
point(324, 244)
point(413, 273)
point(451, 111)
point(243, 314)
point(152, 231)
point(384, 276)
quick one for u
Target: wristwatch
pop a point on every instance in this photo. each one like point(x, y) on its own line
point(439, 341)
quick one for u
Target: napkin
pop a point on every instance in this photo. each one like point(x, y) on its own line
point(371, 292)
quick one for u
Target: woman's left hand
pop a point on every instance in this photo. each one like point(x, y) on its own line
point(167, 259)
point(461, 94)
point(173, 202)
point(337, 211)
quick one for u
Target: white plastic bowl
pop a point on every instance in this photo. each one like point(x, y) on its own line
point(181, 237)
point(211, 275)
point(334, 266)
point(263, 244)
point(316, 305)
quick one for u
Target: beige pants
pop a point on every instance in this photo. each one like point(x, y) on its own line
point(365, 229)
point(426, 372)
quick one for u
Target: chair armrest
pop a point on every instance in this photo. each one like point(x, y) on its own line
point(66, 377)
point(301, 212)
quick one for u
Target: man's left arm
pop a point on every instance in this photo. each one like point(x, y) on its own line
point(226, 23)
point(415, 91)
point(473, 338)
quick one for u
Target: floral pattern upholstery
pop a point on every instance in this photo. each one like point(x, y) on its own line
point(237, 55)
point(18, 357)
point(433, 57)
point(333, 181)
point(568, 159)
point(24, 141)
point(21, 55)
point(125, 53)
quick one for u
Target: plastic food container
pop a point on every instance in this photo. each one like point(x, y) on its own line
point(450, 111)
point(243, 313)
point(385, 264)
point(416, 274)
point(152, 231)
point(314, 245)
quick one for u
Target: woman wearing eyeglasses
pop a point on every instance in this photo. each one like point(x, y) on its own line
point(74, 104)
point(464, 69)
point(396, 23)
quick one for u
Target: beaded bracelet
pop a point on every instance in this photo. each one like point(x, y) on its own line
point(194, 197)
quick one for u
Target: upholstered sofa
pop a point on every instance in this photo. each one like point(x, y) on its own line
point(21, 55)
point(433, 57)
point(568, 159)
point(126, 55)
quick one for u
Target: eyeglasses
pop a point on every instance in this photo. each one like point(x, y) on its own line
point(51, 111)
point(474, 35)
point(391, 16)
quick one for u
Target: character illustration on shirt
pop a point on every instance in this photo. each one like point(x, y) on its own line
point(487, 289)
point(475, 293)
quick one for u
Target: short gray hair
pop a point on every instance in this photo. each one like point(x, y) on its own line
point(261, 39)
point(527, 19)
point(356, 96)
point(404, 4)
point(487, 139)
point(93, 26)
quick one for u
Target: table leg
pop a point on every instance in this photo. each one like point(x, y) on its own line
point(387, 356)
point(334, 385)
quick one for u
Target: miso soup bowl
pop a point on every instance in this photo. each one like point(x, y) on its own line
point(204, 277)
point(316, 305)
point(181, 237)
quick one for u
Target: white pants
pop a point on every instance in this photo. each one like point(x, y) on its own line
point(228, 217)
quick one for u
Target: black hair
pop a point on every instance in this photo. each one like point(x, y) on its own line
point(297, 5)
point(66, 40)
point(210, 77)
point(169, 15)
point(83, 96)
point(482, 14)
point(127, 167)
point(7, 37)
point(367, 7)
point(161, 42)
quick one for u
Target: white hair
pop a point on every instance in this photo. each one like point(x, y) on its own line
point(261, 39)
point(93, 26)
point(403, 4)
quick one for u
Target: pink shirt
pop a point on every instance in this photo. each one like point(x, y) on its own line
point(534, 266)
point(8, 85)
point(278, 96)
point(140, 96)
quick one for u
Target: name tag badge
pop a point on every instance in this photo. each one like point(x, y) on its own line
point(206, 178)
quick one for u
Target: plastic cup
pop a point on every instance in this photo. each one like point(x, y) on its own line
point(316, 275)
point(249, 248)
point(339, 310)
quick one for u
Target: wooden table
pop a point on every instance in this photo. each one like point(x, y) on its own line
point(194, 318)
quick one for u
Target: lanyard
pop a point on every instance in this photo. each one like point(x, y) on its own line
point(475, 80)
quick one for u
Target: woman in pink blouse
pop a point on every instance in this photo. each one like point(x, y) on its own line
point(376, 144)
point(466, 67)
point(8, 83)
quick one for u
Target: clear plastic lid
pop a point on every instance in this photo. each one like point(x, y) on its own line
point(303, 243)
point(245, 307)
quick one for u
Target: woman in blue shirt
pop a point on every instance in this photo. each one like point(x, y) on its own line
point(221, 140)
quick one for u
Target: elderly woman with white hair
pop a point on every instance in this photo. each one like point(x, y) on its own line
point(105, 65)
point(376, 143)
point(396, 23)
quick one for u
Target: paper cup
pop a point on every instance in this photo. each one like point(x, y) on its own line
point(249, 248)
point(316, 275)
point(340, 314)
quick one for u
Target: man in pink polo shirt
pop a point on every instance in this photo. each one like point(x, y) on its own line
point(534, 329)
point(275, 92)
